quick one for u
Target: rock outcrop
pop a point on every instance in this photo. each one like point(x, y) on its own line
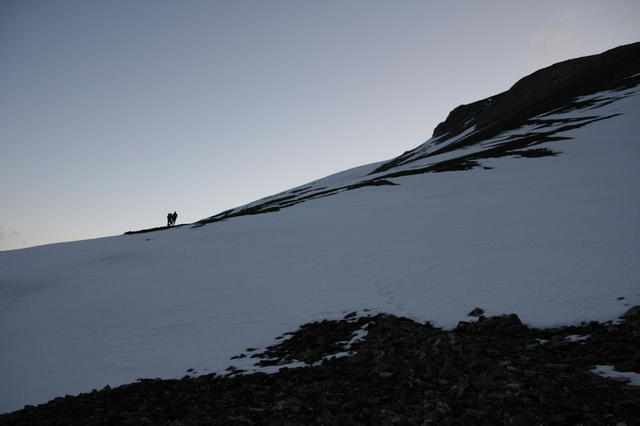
point(546, 90)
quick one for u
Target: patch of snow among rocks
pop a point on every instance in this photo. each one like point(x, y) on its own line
point(633, 379)
point(577, 338)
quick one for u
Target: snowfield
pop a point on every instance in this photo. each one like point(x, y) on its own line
point(553, 239)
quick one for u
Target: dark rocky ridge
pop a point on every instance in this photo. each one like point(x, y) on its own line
point(294, 198)
point(493, 371)
point(158, 228)
point(547, 89)
point(541, 92)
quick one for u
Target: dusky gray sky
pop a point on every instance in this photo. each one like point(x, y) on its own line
point(114, 113)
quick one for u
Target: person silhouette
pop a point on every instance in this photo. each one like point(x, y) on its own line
point(169, 219)
point(174, 217)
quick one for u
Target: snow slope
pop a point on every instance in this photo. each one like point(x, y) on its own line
point(553, 239)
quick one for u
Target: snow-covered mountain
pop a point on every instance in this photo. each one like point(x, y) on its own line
point(524, 202)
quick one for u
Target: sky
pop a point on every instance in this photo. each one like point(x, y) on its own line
point(113, 114)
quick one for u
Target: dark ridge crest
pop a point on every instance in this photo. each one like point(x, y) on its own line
point(542, 91)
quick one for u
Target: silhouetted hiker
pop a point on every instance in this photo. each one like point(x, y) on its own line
point(169, 219)
point(174, 217)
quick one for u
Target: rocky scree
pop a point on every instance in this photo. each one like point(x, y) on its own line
point(489, 371)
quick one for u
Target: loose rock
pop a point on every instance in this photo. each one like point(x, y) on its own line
point(490, 372)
